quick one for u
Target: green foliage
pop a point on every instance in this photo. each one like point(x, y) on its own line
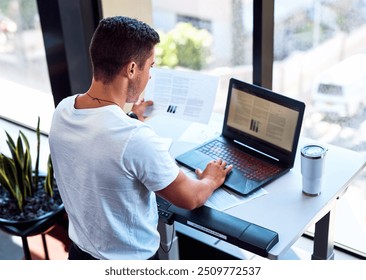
point(16, 173)
point(184, 46)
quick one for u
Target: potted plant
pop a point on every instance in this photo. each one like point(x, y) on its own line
point(29, 201)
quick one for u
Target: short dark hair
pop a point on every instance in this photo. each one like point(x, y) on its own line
point(116, 42)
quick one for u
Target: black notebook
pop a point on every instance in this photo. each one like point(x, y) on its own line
point(259, 137)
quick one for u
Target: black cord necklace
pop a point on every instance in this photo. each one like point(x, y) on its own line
point(100, 99)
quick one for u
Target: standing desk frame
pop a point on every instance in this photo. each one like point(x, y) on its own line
point(285, 209)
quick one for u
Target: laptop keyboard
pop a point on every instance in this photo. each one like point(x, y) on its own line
point(252, 168)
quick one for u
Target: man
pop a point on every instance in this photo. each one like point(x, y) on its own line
point(108, 165)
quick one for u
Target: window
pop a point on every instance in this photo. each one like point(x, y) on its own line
point(320, 58)
point(196, 22)
point(225, 48)
point(310, 38)
point(25, 88)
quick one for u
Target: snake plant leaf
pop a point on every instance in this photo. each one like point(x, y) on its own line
point(16, 173)
point(5, 183)
point(18, 165)
point(49, 182)
point(19, 198)
point(27, 166)
point(28, 173)
point(8, 178)
point(25, 140)
point(12, 147)
point(10, 139)
point(20, 151)
point(36, 167)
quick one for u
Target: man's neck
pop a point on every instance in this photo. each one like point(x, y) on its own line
point(99, 95)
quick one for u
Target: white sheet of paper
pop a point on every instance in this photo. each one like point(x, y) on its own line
point(189, 95)
point(223, 199)
point(198, 133)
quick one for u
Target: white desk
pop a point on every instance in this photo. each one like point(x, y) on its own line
point(285, 209)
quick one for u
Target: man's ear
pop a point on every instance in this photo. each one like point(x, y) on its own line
point(131, 69)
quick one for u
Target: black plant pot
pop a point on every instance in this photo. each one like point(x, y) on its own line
point(34, 224)
point(37, 226)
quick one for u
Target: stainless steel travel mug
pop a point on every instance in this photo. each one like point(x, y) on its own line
point(312, 163)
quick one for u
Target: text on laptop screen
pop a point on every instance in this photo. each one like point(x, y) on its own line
point(263, 119)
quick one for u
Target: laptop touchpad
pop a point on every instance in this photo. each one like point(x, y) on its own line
point(195, 159)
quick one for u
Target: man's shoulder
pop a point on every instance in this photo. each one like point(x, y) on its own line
point(143, 130)
point(66, 101)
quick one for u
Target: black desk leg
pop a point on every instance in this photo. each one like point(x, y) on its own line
point(323, 238)
point(27, 254)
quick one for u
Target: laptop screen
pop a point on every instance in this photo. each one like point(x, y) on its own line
point(262, 119)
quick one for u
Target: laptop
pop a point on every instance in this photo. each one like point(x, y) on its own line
point(259, 137)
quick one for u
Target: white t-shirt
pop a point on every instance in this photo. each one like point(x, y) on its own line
point(107, 167)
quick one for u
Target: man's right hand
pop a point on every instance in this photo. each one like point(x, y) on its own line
point(215, 172)
point(191, 193)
